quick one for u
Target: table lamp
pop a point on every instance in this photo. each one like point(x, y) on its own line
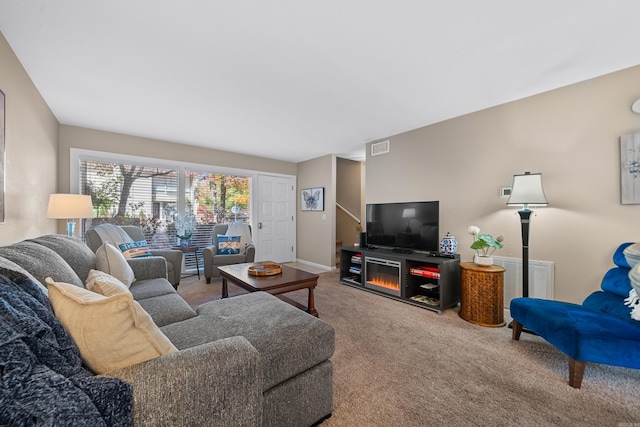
point(526, 191)
point(70, 207)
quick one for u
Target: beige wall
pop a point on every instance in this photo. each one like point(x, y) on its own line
point(570, 135)
point(91, 139)
point(31, 138)
point(316, 231)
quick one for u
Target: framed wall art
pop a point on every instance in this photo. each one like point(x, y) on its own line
point(630, 169)
point(312, 199)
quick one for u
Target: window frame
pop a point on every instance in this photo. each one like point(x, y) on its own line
point(77, 155)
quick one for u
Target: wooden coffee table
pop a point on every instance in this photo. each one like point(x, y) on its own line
point(291, 279)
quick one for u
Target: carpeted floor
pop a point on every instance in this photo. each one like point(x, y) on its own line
point(400, 365)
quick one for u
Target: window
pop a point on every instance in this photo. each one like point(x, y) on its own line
point(128, 191)
point(129, 194)
point(215, 199)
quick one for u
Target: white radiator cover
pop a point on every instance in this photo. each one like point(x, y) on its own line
point(541, 278)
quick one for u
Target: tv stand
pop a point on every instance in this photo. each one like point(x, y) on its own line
point(402, 251)
point(431, 282)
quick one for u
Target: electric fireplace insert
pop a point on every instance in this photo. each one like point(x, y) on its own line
point(382, 275)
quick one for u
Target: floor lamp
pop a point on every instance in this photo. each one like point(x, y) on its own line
point(69, 207)
point(526, 191)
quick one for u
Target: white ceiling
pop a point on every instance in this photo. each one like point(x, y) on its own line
point(298, 79)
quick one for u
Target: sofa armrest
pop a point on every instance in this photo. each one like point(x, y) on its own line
point(207, 259)
point(152, 267)
point(217, 383)
point(250, 251)
point(174, 257)
point(209, 251)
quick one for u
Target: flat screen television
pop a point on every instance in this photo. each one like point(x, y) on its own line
point(406, 227)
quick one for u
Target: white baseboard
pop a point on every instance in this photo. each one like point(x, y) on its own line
point(319, 266)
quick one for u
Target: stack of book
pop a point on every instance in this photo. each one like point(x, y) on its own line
point(424, 271)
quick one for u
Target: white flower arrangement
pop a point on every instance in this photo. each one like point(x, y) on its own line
point(185, 226)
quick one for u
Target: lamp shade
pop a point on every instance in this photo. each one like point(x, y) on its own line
point(527, 190)
point(67, 206)
point(409, 213)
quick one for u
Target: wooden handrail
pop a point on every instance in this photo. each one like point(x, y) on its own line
point(355, 218)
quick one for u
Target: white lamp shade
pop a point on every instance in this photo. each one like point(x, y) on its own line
point(67, 206)
point(527, 190)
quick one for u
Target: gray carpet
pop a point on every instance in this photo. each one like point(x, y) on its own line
point(400, 365)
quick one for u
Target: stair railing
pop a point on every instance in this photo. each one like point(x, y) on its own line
point(345, 210)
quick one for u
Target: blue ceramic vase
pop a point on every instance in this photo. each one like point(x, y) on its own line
point(448, 244)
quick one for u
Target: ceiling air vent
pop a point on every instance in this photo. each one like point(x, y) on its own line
point(380, 148)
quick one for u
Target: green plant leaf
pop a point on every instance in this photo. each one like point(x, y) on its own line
point(479, 244)
point(490, 241)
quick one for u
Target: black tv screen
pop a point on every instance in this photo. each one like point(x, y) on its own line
point(411, 226)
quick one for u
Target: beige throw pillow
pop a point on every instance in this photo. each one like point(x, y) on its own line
point(110, 260)
point(110, 332)
point(104, 283)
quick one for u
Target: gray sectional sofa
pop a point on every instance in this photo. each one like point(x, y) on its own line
point(250, 360)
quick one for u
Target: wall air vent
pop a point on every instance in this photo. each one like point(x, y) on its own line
point(380, 148)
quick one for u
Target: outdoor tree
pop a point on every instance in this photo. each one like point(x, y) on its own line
point(105, 191)
point(129, 175)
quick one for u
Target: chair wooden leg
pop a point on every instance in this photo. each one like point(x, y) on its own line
point(516, 330)
point(576, 371)
point(208, 280)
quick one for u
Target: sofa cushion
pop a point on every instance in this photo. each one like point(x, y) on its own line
point(229, 259)
point(160, 299)
point(166, 309)
point(104, 284)
point(111, 332)
point(143, 289)
point(110, 260)
point(289, 340)
point(609, 304)
point(616, 281)
point(78, 255)
point(41, 262)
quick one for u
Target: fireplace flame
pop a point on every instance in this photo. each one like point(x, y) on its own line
point(384, 283)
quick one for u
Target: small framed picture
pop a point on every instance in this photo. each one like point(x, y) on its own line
point(312, 199)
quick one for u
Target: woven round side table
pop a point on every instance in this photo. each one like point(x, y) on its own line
point(482, 294)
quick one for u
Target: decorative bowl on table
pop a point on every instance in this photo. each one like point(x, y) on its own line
point(265, 269)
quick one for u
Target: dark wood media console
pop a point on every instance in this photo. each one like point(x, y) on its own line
point(423, 280)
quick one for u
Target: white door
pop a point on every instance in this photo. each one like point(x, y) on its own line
point(275, 227)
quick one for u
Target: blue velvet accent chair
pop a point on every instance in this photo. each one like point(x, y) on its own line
point(600, 330)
